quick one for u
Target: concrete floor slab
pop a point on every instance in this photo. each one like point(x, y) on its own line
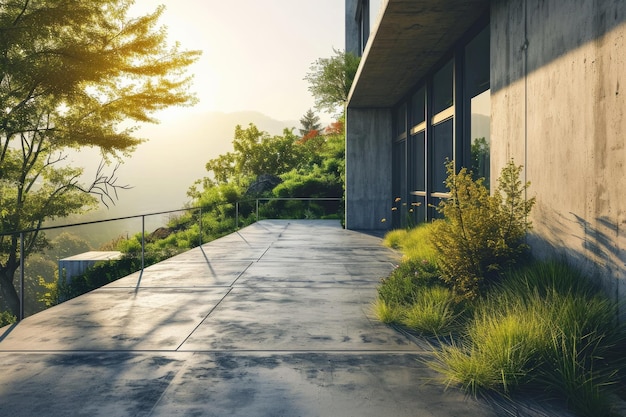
point(115, 319)
point(273, 320)
point(182, 274)
point(312, 385)
point(289, 319)
point(313, 274)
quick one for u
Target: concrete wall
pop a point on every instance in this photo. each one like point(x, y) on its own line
point(559, 108)
point(368, 169)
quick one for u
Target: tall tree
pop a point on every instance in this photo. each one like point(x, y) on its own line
point(255, 153)
point(72, 74)
point(330, 80)
point(310, 122)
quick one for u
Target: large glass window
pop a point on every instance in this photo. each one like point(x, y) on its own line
point(480, 135)
point(417, 177)
point(443, 88)
point(478, 104)
point(399, 184)
point(418, 107)
point(443, 125)
point(400, 121)
point(363, 18)
point(443, 140)
point(446, 117)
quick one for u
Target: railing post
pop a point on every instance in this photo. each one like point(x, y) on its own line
point(200, 226)
point(22, 259)
point(257, 209)
point(237, 215)
point(143, 239)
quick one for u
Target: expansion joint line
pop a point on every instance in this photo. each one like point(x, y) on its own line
point(205, 317)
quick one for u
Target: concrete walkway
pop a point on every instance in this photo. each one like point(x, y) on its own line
point(273, 320)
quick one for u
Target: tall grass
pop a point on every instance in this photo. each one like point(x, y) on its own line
point(387, 312)
point(433, 312)
point(498, 351)
point(542, 327)
point(547, 327)
point(415, 243)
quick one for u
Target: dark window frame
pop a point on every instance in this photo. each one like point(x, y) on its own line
point(461, 134)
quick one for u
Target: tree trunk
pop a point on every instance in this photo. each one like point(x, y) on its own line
point(9, 300)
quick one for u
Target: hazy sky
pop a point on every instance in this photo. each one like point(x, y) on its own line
point(255, 52)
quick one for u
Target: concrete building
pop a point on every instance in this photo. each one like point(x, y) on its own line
point(482, 82)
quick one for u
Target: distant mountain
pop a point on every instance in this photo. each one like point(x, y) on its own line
point(163, 168)
point(174, 156)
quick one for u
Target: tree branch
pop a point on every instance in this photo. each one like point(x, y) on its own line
point(104, 186)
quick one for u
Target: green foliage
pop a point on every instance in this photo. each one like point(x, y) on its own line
point(7, 318)
point(545, 327)
point(414, 243)
point(330, 80)
point(498, 354)
point(309, 167)
point(412, 295)
point(434, 311)
point(310, 122)
point(255, 153)
point(49, 296)
point(386, 312)
point(480, 234)
point(72, 73)
point(542, 328)
point(403, 284)
point(95, 277)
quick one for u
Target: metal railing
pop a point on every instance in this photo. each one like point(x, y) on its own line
point(238, 204)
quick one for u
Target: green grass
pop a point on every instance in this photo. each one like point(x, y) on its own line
point(496, 351)
point(388, 313)
point(543, 328)
point(564, 339)
point(415, 244)
point(433, 312)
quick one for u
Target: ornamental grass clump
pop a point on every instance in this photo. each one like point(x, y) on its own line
point(413, 294)
point(497, 351)
point(544, 328)
point(434, 311)
point(415, 243)
point(480, 234)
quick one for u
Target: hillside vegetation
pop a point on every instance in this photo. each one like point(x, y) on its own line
point(285, 167)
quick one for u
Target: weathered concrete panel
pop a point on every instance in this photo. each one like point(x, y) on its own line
point(368, 168)
point(558, 109)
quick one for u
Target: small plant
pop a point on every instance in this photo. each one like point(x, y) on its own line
point(400, 287)
point(395, 238)
point(433, 311)
point(480, 234)
point(386, 312)
point(499, 352)
point(536, 331)
point(415, 243)
point(7, 318)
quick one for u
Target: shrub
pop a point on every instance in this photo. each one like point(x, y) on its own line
point(480, 234)
point(400, 287)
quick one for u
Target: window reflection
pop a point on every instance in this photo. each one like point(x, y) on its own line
point(480, 135)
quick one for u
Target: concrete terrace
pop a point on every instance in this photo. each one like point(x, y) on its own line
point(273, 320)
